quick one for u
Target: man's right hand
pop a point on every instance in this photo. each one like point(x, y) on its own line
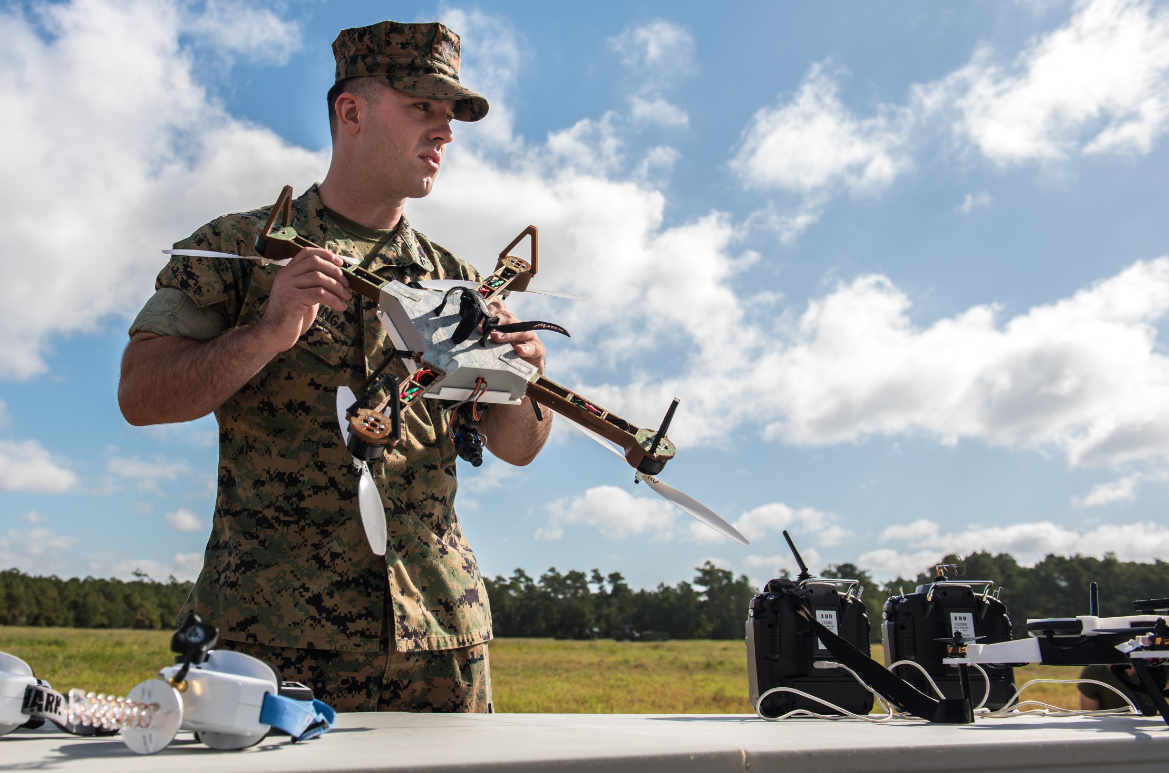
point(168, 379)
point(312, 277)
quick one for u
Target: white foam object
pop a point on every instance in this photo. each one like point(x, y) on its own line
point(15, 676)
point(223, 699)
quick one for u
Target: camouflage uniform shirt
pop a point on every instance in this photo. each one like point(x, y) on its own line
point(288, 563)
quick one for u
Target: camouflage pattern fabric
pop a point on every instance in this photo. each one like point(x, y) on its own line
point(419, 59)
point(457, 680)
point(287, 563)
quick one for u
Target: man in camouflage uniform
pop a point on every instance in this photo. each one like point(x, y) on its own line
point(289, 576)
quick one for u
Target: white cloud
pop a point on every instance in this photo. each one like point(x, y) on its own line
point(184, 520)
point(813, 143)
point(777, 564)
point(4, 417)
point(656, 110)
point(115, 563)
point(245, 30)
point(1099, 84)
point(27, 466)
point(972, 201)
point(770, 520)
point(659, 56)
point(659, 53)
point(154, 158)
point(37, 551)
point(925, 543)
point(494, 474)
point(148, 473)
point(614, 512)
point(1121, 490)
point(1082, 375)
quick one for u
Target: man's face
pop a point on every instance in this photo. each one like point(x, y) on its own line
point(405, 142)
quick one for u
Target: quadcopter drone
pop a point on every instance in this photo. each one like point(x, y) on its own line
point(447, 353)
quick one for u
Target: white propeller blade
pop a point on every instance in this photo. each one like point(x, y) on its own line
point(265, 261)
point(369, 500)
point(373, 515)
point(212, 254)
point(556, 294)
point(446, 284)
point(603, 441)
point(345, 398)
point(694, 508)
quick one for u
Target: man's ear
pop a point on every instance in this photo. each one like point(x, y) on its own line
point(350, 110)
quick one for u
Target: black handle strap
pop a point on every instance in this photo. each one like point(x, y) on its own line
point(903, 695)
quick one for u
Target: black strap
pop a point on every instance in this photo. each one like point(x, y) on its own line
point(523, 327)
point(903, 695)
point(1151, 688)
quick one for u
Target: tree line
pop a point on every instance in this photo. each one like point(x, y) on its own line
point(711, 606)
point(90, 603)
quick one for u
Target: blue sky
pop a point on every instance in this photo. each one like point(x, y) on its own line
point(903, 265)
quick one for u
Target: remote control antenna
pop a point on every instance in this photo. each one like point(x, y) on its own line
point(804, 573)
point(1094, 600)
point(665, 425)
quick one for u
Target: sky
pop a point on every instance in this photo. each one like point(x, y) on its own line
point(906, 266)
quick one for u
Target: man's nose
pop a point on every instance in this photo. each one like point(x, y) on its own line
point(442, 132)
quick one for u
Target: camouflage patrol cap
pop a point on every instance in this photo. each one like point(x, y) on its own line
point(419, 59)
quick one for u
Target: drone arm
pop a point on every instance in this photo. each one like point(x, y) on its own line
point(520, 283)
point(633, 440)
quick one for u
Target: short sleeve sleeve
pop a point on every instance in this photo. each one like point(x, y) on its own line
point(171, 312)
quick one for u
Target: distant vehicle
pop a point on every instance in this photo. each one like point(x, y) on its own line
point(625, 633)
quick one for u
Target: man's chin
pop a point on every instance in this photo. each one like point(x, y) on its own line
point(424, 189)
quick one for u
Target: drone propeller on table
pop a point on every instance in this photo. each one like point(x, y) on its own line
point(680, 499)
point(369, 499)
point(446, 284)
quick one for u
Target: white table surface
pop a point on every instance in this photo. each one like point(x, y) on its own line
point(633, 742)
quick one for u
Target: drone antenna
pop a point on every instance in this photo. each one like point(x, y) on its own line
point(665, 425)
point(1094, 600)
point(804, 573)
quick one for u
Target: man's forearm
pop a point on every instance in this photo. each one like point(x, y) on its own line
point(167, 379)
point(514, 434)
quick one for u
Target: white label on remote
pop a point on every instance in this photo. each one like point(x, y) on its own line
point(826, 618)
point(962, 623)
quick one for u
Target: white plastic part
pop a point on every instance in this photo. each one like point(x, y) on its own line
point(1016, 651)
point(165, 712)
point(15, 676)
point(457, 393)
point(369, 499)
point(345, 398)
point(695, 508)
point(373, 513)
point(223, 699)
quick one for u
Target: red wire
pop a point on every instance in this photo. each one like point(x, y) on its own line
point(475, 405)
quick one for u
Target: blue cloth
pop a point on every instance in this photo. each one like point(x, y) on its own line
point(300, 719)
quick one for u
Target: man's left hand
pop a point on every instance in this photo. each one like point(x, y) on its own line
point(527, 345)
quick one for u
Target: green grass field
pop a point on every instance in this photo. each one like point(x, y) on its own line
point(527, 675)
